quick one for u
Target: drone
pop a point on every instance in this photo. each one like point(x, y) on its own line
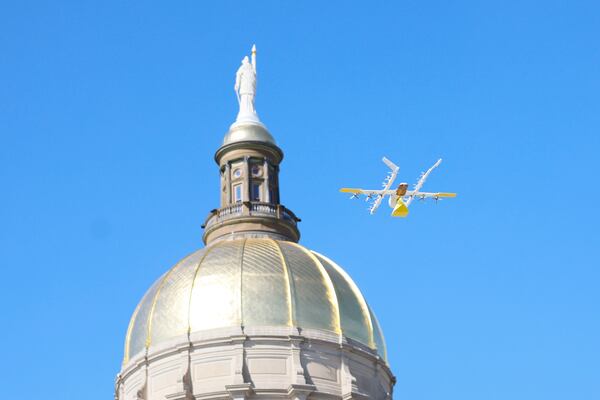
point(400, 198)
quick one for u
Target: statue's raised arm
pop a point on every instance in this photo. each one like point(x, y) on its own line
point(245, 89)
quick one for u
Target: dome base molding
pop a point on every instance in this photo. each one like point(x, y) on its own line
point(264, 364)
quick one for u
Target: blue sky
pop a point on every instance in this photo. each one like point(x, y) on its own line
point(110, 115)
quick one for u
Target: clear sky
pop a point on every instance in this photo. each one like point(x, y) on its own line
point(110, 113)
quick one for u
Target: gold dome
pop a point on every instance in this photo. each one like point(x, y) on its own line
point(254, 282)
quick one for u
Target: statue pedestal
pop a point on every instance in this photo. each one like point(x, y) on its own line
point(247, 118)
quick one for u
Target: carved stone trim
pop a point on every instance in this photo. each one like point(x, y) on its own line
point(300, 392)
point(239, 391)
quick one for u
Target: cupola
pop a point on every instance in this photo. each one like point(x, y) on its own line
point(248, 161)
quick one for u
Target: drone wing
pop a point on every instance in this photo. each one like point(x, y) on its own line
point(415, 192)
point(387, 184)
point(428, 195)
point(366, 192)
point(379, 194)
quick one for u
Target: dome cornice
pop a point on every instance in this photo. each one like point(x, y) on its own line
point(272, 149)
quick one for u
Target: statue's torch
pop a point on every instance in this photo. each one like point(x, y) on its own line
point(254, 57)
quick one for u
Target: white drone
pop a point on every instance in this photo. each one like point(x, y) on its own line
point(401, 197)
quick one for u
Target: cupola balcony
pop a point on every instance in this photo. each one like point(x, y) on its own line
point(251, 219)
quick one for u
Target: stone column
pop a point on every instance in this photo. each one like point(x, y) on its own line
point(246, 194)
point(266, 188)
point(277, 199)
point(227, 176)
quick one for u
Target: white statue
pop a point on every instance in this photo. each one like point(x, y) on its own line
point(245, 89)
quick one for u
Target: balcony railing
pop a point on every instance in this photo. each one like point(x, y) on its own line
point(250, 209)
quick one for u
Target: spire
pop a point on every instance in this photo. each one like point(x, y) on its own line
point(248, 163)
